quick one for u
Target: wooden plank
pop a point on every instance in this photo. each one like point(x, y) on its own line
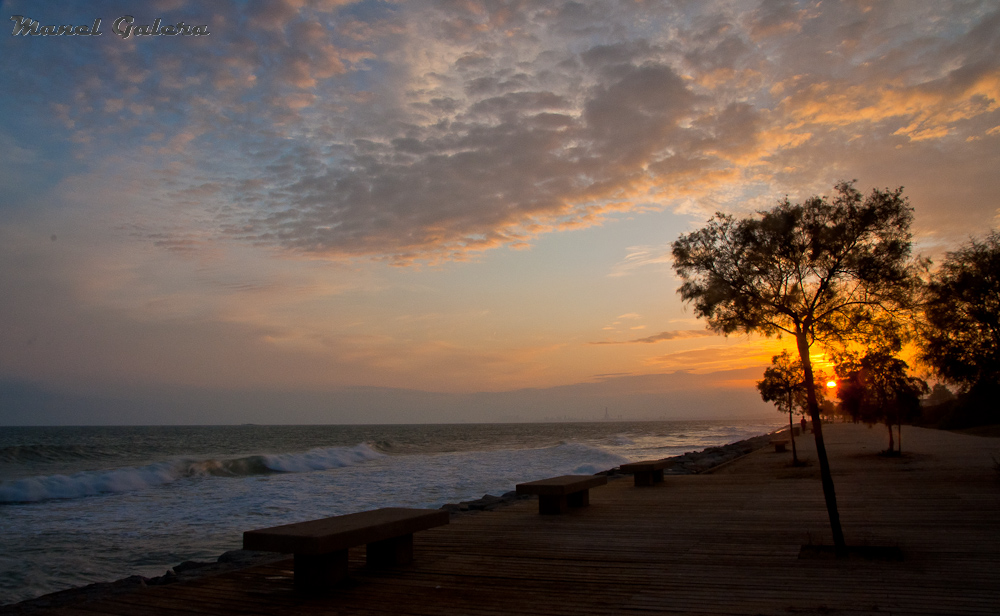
point(562, 485)
point(344, 531)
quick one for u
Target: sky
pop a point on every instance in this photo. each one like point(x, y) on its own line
point(327, 211)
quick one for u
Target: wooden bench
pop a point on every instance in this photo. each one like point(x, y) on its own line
point(320, 546)
point(557, 494)
point(646, 473)
point(779, 445)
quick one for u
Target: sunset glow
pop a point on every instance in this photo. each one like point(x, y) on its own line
point(363, 199)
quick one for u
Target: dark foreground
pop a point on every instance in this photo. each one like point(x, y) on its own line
point(724, 542)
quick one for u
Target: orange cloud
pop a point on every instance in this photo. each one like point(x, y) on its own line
point(660, 337)
point(929, 109)
point(711, 359)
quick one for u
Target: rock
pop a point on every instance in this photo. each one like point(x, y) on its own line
point(132, 580)
point(187, 565)
point(241, 556)
point(513, 496)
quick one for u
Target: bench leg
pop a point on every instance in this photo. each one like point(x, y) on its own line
point(551, 505)
point(554, 505)
point(779, 448)
point(317, 572)
point(579, 499)
point(395, 551)
point(648, 478)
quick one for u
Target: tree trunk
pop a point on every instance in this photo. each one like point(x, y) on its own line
point(891, 444)
point(791, 435)
point(840, 545)
point(899, 441)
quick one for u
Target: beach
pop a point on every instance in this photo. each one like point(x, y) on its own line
point(722, 541)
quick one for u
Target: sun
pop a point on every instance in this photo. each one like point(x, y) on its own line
point(831, 384)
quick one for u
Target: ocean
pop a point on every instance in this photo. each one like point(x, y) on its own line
point(95, 504)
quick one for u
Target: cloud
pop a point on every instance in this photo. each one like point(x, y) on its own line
point(749, 354)
point(641, 256)
point(507, 158)
point(431, 131)
point(678, 334)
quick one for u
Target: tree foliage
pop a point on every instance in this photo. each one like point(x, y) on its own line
point(784, 384)
point(961, 334)
point(940, 394)
point(876, 388)
point(818, 270)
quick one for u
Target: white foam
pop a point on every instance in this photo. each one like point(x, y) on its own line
point(87, 483)
point(320, 459)
point(92, 483)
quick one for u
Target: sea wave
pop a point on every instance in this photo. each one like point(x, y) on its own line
point(620, 440)
point(321, 459)
point(383, 445)
point(581, 458)
point(19, 454)
point(91, 483)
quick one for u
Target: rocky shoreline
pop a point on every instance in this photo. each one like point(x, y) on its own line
point(690, 463)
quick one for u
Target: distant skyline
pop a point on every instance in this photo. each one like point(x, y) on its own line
point(455, 202)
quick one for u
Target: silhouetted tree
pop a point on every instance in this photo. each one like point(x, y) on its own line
point(875, 388)
point(814, 270)
point(783, 384)
point(939, 395)
point(961, 333)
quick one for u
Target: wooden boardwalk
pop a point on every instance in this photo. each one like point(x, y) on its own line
point(727, 542)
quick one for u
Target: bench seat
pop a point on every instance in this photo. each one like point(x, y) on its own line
point(557, 494)
point(647, 473)
point(320, 546)
point(779, 444)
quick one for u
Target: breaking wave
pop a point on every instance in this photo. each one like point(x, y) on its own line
point(90, 483)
